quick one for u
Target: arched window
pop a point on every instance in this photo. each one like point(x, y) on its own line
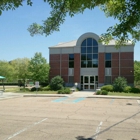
point(89, 53)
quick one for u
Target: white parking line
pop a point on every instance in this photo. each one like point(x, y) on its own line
point(98, 130)
point(138, 102)
point(17, 133)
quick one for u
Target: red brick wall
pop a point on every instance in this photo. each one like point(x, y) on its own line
point(77, 67)
point(101, 68)
point(127, 66)
point(54, 65)
point(127, 55)
point(59, 64)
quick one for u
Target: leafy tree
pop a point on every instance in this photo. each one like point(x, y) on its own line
point(12, 4)
point(119, 84)
point(39, 68)
point(56, 83)
point(7, 70)
point(21, 68)
point(125, 11)
point(137, 71)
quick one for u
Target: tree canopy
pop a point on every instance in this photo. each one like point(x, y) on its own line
point(137, 71)
point(39, 68)
point(21, 68)
point(127, 12)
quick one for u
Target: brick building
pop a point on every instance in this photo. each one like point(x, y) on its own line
point(90, 63)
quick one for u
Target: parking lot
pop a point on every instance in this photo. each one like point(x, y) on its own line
point(69, 118)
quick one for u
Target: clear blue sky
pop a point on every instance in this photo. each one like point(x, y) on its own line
point(16, 42)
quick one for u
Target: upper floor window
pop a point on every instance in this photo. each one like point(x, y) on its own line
point(89, 53)
point(71, 60)
point(108, 60)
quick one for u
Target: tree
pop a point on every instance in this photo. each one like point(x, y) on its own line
point(12, 4)
point(7, 70)
point(126, 11)
point(21, 68)
point(39, 68)
point(137, 71)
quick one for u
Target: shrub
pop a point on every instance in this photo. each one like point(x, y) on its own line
point(56, 83)
point(127, 89)
point(107, 88)
point(104, 92)
point(24, 89)
point(34, 89)
point(135, 90)
point(67, 91)
point(119, 84)
point(64, 91)
point(98, 92)
point(101, 92)
point(47, 88)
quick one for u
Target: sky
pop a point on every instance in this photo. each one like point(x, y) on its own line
point(16, 42)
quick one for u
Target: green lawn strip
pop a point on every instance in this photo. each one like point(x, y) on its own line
point(37, 92)
point(17, 90)
point(123, 94)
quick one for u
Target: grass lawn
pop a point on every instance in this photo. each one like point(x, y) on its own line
point(17, 89)
point(123, 94)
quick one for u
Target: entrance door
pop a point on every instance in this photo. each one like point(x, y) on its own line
point(88, 82)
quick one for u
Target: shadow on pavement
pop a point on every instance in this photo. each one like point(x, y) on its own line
point(83, 138)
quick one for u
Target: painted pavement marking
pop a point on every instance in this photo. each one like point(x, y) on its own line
point(69, 100)
point(138, 102)
point(60, 99)
point(78, 100)
point(112, 101)
point(19, 132)
point(98, 130)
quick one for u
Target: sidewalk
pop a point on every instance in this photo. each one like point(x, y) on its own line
point(87, 94)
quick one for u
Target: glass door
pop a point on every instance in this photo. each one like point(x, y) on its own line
point(88, 82)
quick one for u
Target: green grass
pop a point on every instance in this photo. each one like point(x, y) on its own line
point(26, 91)
point(123, 94)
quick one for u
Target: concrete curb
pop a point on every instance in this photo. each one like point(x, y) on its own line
point(70, 95)
point(45, 95)
point(75, 94)
point(115, 97)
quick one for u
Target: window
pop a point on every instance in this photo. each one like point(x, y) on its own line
point(89, 53)
point(84, 43)
point(108, 60)
point(108, 56)
point(71, 60)
point(71, 57)
point(71, 79)
point(89, 41)
point(107, 79)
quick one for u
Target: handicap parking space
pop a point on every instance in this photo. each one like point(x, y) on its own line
point(69, 100)
point(69, 118)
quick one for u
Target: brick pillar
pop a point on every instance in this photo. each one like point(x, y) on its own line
point(101, 68)
point(115, 65)
point(77, 68)
point(64, 67)
point(54, 65)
